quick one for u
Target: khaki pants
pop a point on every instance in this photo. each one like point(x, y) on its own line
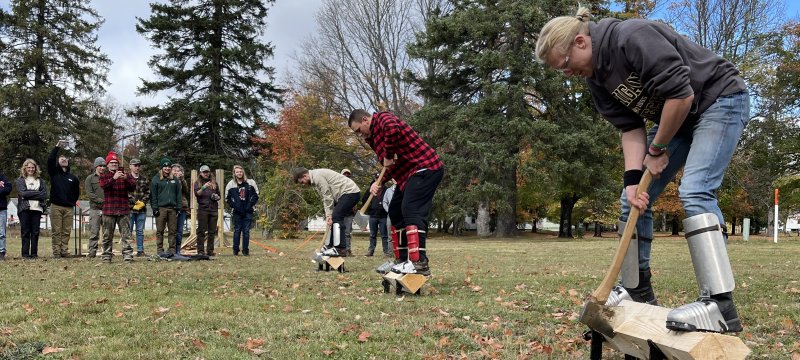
point(95, 222)
point(61, 219)
point(167, 220)
point(206, 230)
point(122, 222)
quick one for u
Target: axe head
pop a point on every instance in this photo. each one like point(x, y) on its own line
point(598, 317)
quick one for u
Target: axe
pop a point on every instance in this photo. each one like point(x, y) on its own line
point(592, 313)
point(369, 199)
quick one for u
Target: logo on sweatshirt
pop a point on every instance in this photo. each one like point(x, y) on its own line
point(631, 94)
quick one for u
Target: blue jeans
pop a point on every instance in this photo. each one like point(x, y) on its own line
point(3, 224)
point(241, 228)
point(704, 154)
point(179, 232)
point(137, 225)
point(376, 224)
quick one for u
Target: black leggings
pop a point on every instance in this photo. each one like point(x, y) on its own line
point(412, 205)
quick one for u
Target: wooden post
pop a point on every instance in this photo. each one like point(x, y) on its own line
point(634, 324)
point(192, 240)
point(221, 212)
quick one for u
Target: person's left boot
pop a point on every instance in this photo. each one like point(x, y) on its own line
point(715, 314)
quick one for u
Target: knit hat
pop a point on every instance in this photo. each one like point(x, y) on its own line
point(99, 161)
point(112, 156)
point(165, 162)
point(205, 168)
point(136, 161)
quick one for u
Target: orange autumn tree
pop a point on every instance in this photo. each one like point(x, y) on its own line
point(306, 135)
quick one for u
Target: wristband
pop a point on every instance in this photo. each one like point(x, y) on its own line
point(632, 177)
point(659, 146)
point(655, 152)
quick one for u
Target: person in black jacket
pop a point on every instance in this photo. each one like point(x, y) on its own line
point(5, 188)
point(241, 194)
point(377, 221)
point(64, 192)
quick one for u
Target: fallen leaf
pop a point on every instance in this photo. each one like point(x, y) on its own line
point(795, 355)
point(51, 350)
point(253, 343)
point(161, 311)
point(327, 352)
point(198, 343)
point(28, 308)
point(118, 314)
point(224, 332)
point(443, 341)
point(101, 301)
point(364, 336)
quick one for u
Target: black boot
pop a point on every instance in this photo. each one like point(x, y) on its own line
point(644, 292)
point(728, 310)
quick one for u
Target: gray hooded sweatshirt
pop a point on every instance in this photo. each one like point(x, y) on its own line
point(638, 64)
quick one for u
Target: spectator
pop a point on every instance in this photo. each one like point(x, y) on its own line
point(31, 203)
point(5, 188)
point(95, 192)
point(64, 192)
point(177, 171)
point(241, 194)
point(207, 192)
point(138, 200)
point(165, 198)
point(116, 209)
point(377, 221)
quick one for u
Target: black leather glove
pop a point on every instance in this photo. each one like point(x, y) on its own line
point(155, 213)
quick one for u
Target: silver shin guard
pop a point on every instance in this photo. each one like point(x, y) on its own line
point(712, 269)
point(337, 234)
point(629, 273)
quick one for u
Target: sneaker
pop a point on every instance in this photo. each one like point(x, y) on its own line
point(370, 253)
point(385, 267)
point(140, 254)
point(406, 267)
point(421, 267)
point(330, 252)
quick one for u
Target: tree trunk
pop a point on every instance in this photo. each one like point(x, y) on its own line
point(565, 218)
point(534, 229)
point(598, 231)
point(483, 220)
point(675, 225)
point(733, 226)
point(506, 221)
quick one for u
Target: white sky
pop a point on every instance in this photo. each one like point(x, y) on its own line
point(288, 23)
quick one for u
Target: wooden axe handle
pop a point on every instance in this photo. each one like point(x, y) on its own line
point(369, 199)
point(600, 294)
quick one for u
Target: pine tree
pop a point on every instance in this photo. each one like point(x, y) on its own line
point(52, 73)
point(213, 67)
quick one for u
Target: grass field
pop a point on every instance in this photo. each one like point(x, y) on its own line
point(489, 298)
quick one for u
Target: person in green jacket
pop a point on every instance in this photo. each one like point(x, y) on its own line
point(165, 200)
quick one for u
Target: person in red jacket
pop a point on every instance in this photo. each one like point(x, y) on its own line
point(116, 209)
point(417, 170)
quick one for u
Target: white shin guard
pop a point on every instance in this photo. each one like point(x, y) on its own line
point(629, 273)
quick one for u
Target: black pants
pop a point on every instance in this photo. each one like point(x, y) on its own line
point(412, 205)
point(343, 208)
point(29, 221)
point(206, 230)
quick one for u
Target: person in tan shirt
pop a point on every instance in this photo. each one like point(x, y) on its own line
point(339, 195)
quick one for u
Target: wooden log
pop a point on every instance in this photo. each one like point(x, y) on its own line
point(635, 323)
point(412, 282)
point(336, 261)
point(191, 241)
point(220, 174)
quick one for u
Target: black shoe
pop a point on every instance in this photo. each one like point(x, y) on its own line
point(422, 267)
point(246, 252)
point(2, 256)
point(236, 254)
point(728, 310)
point(644, 292)
point(140, 254)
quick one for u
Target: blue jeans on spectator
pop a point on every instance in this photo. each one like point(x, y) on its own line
point(179, 232)
point(137, 225)
point(3, 224)
point(241, 228)
point(376, 224)
point(704, 154)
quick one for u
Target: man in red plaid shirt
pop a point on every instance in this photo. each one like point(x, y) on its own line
point(116, 209)
point(417, 171)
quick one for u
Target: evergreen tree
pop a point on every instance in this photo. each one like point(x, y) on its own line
point(52, 71)
point(213, 67)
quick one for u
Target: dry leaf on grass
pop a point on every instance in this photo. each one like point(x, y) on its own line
point(51, 350)
point(251, 343)
point(795, 355)
point(364, 336)
point(224, 332)
point(198, 343)
point(118, 314)
point(28, 308)
point(444, 340)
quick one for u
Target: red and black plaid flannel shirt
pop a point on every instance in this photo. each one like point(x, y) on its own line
point(115, 194)
point(390, 136)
